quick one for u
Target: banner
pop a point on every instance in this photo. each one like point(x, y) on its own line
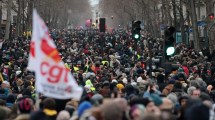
point(53, 79)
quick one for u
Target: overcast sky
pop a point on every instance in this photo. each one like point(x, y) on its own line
point(94, 2)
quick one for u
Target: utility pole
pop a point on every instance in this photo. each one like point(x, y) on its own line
point(7, 31)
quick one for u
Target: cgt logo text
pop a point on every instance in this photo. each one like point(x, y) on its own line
point(54, 73)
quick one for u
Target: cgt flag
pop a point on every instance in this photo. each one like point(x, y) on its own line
point(53, 79)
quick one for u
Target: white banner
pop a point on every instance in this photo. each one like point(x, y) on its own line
point(52, 77)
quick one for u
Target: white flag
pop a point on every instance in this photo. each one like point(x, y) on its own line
point(53, 79)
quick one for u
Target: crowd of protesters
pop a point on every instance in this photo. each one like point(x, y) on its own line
point(117, 76)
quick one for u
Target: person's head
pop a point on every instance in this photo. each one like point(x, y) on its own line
point(205, 97)
point(27, 92)
point(150, 116)
point(26, 84)
point(83, 107)
point(19, 82)
point(94, 114)
point(173, 97)
point(183, 100)
point(11, 98)
point(49, 103)
point(196, 93)
point(160, 78)
point(167, 105)
point(120, 87)
point(194, 83)
point(106, 86)
point(177, 86)
point(71, 106)
point(5, 84)
point(190, 90)
point(97, 99)
point(197, 111)
point(3, 113)
point(2, 102)
point(24, 106)
point(63, 115)
point(137, 111)
point(112, 110)
point(148, 104)
point(174, 69)
point(156, 99)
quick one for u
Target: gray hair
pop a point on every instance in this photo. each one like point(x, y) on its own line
point(173, 98)
point(190, 90)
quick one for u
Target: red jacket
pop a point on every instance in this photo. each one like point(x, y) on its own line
point(186, 70)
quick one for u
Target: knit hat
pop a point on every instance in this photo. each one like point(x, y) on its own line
point(114, 81)
point(120, 86)
point(63, 115)
point(97, 99)
point(83, 107)
point(134, 109)
point(24, 106)
point(156, 99)
point(138, 106)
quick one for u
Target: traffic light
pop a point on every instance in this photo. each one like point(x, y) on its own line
point(96, 20)
point(136, 30)
point(211, 16)
point(169, 42)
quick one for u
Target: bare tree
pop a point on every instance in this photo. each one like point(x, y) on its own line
point(7, 31)
point(55, 13)
point(192, 4)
